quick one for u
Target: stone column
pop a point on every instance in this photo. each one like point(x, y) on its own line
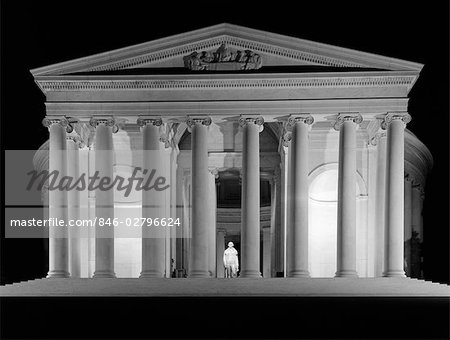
point(91, 213)
point(380, 139)
point(73, 205)
point(212, 205)
point(199, 264)
point(298, 196)
point(284, 205)
point(250, 220)
point(280, 203)
point(173, 205)
point(346, 224)
point(407, 224)
point(220, 248)
point(57, 200)
point(153, 239)
point(273, 221)
point(186, 221)
point(267, 268)
point(104, 199)
point(395, 124)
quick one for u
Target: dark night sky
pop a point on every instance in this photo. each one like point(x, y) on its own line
point(36, 34)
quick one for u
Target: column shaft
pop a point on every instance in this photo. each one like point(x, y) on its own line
point(346, 226)
point(199, 264)
point(250, 219)
point(380, 206)
point(104, 203)
point(298, 196)
point(273, 224)
point(73, 205)
point(58, 242)
point(394, 259)
point(153, 239)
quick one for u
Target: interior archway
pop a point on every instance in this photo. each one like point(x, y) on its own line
point(323, 222)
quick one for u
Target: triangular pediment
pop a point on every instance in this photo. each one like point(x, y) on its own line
point(273, 50)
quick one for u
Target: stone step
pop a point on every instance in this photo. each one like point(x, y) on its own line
point(227, 287)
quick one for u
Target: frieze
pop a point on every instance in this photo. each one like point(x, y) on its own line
point(224, 58)
point(101, 85)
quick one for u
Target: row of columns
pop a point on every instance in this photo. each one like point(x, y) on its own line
point(200, 262)
point(297, 229)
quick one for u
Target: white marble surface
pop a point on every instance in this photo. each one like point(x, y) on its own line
point(228, 287)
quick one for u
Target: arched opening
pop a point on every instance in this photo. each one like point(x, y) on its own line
point(323, 189)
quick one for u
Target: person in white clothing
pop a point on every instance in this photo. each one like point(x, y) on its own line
point(230, 261)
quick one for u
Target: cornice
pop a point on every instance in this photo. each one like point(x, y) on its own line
point(237, 81)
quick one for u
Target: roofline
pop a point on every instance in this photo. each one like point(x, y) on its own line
point(248, 33)
point(375, 73)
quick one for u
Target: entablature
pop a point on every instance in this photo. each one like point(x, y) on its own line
point(271, 110)
point(227, 86)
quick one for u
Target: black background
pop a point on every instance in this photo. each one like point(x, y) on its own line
point(37, 33)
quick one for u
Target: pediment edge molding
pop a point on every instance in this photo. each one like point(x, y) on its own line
point(236, 36)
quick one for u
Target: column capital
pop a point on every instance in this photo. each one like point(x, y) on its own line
point(63, 121)
point(403, 116)
point(107, 121)
point(342, 117)
point(165, 135)
point(301, 117)
point(143, 121)
point(74, 137)
point(214, 171)
point(203, 120)
point(376, 138)
point(248, 119)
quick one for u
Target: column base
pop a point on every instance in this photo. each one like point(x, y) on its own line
point(299, 274)
point(149, 274)
point(394, 273)
point(250, 274)
point(347, 274)
point(58, 274)
point(101, 274)
point(199, 274)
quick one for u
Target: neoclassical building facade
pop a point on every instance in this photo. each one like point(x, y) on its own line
point(298, 152)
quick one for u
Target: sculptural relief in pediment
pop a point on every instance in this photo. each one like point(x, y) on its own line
point(224, 58)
